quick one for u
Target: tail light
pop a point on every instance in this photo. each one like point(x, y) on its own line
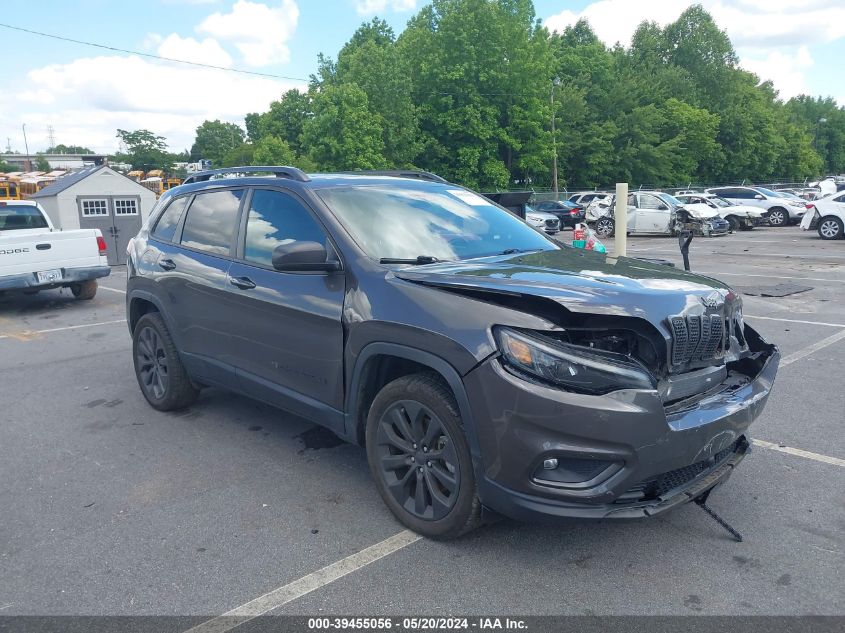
point(808, 205)
point(101, 244)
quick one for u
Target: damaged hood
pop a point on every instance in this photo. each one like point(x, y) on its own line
point(581, 281)
point(701, 211)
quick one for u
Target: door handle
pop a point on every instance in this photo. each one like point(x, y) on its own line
point(167, 264)
point(244, 283)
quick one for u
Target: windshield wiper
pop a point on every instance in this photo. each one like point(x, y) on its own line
point(419, 260)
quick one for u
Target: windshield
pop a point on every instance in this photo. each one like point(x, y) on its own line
point(720, 202)
point(21, 216)
point(445, 222)
point(672, 200)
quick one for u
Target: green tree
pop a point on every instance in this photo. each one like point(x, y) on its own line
point(6, 167)
point(214, 139)
point(342, 134)
point(272, 150)
point(371, 61)
point(41, 163)
point(284, 120)
point(144, 150)
point(68, 149)
point(482, 82)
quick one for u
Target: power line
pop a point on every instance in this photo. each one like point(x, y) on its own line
point(149, 55)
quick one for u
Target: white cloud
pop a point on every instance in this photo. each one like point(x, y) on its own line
point(616, 20)
point(760, 23)
point(208, 51)
point(771, 36)
point(259, 32)
point(87, 99)
point(786, 71)
point(369, 7)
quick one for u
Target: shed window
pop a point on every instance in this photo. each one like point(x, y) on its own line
point(92, 208)
point(125, 207)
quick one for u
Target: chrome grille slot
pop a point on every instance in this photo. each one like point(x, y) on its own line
point(696, 338)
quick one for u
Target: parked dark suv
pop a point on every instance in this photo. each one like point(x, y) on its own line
point(480, 363)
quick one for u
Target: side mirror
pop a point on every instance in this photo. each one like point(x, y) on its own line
point(303, 257)
point(759, 196)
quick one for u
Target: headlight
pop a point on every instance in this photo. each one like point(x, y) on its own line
point(572, 367)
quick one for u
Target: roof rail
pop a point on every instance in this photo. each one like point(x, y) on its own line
point(399, 173)
point(291, 173)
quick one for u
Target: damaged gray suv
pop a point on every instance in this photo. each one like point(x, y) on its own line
point(480, 363)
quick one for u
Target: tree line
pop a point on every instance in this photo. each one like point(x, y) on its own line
point(470, 89)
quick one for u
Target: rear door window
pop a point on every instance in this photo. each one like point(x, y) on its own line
point(212, 221)
point(275, 219)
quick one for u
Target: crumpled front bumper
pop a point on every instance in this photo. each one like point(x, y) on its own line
point(656, 458)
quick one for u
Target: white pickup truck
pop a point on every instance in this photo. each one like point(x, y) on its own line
point(34, 256)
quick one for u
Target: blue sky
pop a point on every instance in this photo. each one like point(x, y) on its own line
point(85, 94)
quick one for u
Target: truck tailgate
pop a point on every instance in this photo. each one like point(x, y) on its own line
point(28, 251)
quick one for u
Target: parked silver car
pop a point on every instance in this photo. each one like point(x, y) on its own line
point(780, 209)
point(547, 222)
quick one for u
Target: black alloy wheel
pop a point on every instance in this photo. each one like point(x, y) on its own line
point(418, 460)
point(158, 367)
point(419, 456)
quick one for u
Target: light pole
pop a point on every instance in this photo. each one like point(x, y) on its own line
point(26, 147)
point(555, 83)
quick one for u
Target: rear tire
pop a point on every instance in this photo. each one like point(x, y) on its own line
point(605, 227)
point(778, 217)
point(830, 228)
point(85, 290)
point(419, 457)
point(158, 368)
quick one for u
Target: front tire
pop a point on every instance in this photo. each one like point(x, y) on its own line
point(734, 223)
point(158, 368)
point(778, 217)
point(830, 228)
point(419, 457)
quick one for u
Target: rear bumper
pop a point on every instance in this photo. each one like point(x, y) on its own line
point(69, 276)
point(642, 458)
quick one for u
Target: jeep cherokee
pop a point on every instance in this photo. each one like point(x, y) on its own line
point(480, 363)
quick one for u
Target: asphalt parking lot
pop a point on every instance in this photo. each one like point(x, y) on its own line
point(112, 508)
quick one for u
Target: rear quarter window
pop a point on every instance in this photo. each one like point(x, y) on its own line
point(165, 228)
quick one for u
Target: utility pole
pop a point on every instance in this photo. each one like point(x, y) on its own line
point(51, 135)
point(26, 146)
point(8, 145)
point(555, 83)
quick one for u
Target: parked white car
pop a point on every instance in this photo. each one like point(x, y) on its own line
point(779, 209)
point(586, 197)
point(828, 217)
point(656, 212)
point(548, 222)
point(34, 256)
point(741, 217)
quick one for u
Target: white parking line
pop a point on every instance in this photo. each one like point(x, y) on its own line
point(752, 316)
point(101, 287)
point(810, 349)
point(62, 329)
point(825, 459)
point(306, 584)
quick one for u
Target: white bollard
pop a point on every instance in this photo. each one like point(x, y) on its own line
point(620, 215)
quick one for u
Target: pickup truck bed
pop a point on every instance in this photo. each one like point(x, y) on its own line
point(34, 256)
